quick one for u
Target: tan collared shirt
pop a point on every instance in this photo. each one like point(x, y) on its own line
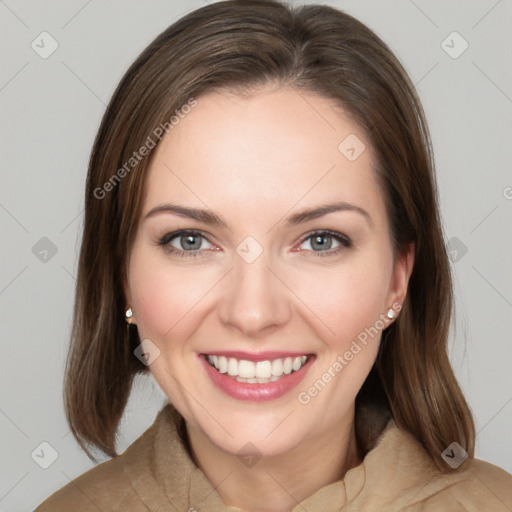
point(156, 474)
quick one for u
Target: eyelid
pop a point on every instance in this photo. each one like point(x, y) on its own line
point(335, 234)
point(164, 241)
point(344, 241)
point(168, 237)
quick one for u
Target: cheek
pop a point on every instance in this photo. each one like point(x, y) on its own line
point(348, 299)
point(153, 304)
point(161, 295)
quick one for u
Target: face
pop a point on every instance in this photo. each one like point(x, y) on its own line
point(266, 322)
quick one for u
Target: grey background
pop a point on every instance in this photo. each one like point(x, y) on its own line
point(50, 111)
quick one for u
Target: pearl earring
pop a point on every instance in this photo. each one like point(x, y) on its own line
point(391, 314)
point(129, 313)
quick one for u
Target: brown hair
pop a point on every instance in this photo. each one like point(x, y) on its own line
point(241, 46)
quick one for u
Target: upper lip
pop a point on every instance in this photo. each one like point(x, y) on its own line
point(255, 356)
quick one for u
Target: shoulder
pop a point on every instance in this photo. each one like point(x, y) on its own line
point(477, 486)
point(484, 487)
point(104, 487)
point(112, 485)
point(416, 484)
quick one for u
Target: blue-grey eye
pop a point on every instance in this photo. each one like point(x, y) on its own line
point(322, 241)
point(188, 242)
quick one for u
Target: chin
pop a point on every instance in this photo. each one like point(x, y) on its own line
point(263, 440)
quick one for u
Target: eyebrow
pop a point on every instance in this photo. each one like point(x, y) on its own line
point(213, 219)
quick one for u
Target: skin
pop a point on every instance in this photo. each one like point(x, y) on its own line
point(255, 161)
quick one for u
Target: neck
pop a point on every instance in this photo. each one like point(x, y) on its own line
point(277, 483)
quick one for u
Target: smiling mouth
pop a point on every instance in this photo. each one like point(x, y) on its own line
point(260, 372)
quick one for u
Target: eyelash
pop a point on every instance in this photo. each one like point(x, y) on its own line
point(164, 242)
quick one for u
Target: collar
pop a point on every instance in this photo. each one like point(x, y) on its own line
point(397, 469)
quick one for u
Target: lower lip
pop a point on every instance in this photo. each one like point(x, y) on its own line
point(256, 392)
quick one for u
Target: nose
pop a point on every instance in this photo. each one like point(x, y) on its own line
point(256, 301)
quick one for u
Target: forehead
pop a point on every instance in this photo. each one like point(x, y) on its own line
point(265, 152)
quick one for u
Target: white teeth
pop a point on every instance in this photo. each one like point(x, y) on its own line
point(241, 379)
point(277, 367)
point(254, 380)
point(246, 369)
point(232, 367)
point(222, 363)
point(261, 371)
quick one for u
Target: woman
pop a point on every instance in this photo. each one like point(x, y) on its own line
point(262, 235)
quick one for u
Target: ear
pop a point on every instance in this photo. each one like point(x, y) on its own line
point(400, 278)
